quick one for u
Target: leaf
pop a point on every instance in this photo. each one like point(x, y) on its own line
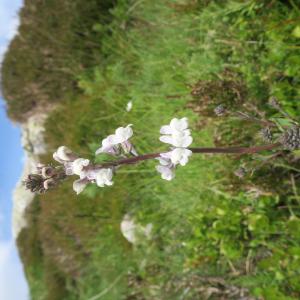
point(296, 32)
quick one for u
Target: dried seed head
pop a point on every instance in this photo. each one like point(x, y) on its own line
point(274, 103)
point(266, 135)
point(240, 172)
point(290, 139)
point(34, 183)
point(220, 110)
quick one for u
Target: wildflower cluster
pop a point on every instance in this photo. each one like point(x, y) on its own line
point(179, 137)
point(118, 145)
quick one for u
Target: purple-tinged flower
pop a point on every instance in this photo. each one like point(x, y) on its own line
point(166, 172)
point(78, 166)
point(79, 185)
point(111, 144)
point(166, 168)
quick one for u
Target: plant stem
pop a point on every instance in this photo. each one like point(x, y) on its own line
point(216, 150)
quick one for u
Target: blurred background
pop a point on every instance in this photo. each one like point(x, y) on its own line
point(12, 161)
point(227, 227)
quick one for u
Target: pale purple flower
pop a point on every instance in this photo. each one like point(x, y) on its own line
point(166, 172)
point(166, 168)
point(79, 185)
point(104, 177)
point(78, 166)
point(111, 144)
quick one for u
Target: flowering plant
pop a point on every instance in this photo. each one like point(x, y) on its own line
point(118, 145)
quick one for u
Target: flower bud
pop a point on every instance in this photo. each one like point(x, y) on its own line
point(64, 154)
point(48, 172)
point(49, 183)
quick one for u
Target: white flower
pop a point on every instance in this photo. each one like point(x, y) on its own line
point(123, 134)
point(104, 177)
point(177, 133)
point(78, 166)
point(177, 139)
point(175, 124)
point(166, 168)
point(108, 146)
point(64, 154)
point(129, 106)
point(79, 185)
point(179, 136)
point(180, 156)
point(111, 143)
point(166, 172)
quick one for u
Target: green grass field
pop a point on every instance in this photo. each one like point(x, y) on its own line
point(215, 236)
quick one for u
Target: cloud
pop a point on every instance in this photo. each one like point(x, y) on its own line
point(9, 23)
point(12, 282)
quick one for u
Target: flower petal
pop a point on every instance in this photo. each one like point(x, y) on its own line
point(166, 139)
point(79, 185)
point(179, 124)
point(166, 129)
point(166, 173)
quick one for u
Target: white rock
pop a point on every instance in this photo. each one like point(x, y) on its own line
point(34, 145)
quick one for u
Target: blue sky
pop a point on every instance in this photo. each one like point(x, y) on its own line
point(12, 282)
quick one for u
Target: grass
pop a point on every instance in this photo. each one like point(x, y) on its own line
point(211, 229)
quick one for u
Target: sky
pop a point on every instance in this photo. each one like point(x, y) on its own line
point(12, 281)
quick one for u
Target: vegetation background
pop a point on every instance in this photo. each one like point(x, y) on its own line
point(215, 236)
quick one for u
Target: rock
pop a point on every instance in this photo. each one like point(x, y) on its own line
point(34, 145)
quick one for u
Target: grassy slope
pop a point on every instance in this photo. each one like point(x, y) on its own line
point(206, 223)
point(52, 47)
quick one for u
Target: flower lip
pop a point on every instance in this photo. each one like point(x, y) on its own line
point(79, 164)
point(180, 156)
point(103, 177)
point(79, 185)
point(122, 134)
point(166, 172)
